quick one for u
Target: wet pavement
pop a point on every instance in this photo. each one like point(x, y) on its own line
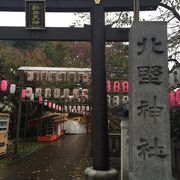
point(62, 160)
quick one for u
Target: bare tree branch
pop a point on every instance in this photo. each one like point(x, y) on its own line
point(172, 9)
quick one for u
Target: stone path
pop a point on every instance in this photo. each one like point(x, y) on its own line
point(65, 159)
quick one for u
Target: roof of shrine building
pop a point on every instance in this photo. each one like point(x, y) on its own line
point(61, 69)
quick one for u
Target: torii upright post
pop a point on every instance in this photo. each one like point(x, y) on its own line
point(101, 169)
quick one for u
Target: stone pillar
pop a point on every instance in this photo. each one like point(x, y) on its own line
point(149, 122)
point(124, 150)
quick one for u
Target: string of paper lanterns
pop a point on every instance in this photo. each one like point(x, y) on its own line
point(174, 96)
point(83, 109)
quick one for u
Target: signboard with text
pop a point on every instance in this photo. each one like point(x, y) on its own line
point(35, 14)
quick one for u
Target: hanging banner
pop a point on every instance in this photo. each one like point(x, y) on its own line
point(56, 76)
point(35, 14)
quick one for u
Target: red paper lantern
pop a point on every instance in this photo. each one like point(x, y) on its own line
point(172, 98)
point(108, 83)
point(49, 104)
point(116, 86)
point(4, 85)
point(40, 100)
point(23, 93)
point(177, 97)
point(125, 86)
point(57, 107)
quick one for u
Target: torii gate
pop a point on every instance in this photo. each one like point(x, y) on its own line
point(97, 33)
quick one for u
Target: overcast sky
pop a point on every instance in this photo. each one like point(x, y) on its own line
point(52, 19)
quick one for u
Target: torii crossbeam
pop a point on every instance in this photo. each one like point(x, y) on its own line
point(80, 5)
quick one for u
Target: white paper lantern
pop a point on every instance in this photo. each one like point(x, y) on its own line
point(45, 102)
point(76, 93)
point(29, 92)
point(30, 76)
point(37, 75)
point(47, 93)
point(32, 97)
point(66, 108)
point(71, 98)
point(57, 93)
point(74, 108)
point(66, 93)
point(54, 106)
point(69, 108)
point(49, 76)
point(83, 108)
point(87, 108)
point(61, 76)
point(43, 76)
point(125, 99)
point(115, 101)
point(78, 108)
point(12, 89)
point(38, 92)
point(108, 100)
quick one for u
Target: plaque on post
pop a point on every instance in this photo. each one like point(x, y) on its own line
point(35, 14)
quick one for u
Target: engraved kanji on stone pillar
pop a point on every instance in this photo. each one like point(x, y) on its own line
point(149, 127)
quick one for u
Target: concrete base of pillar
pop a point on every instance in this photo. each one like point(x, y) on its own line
point(91, 174)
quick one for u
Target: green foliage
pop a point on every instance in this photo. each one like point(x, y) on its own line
point(25, 45)
point(14, 54)
point(117, 60)
point(52, 52)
